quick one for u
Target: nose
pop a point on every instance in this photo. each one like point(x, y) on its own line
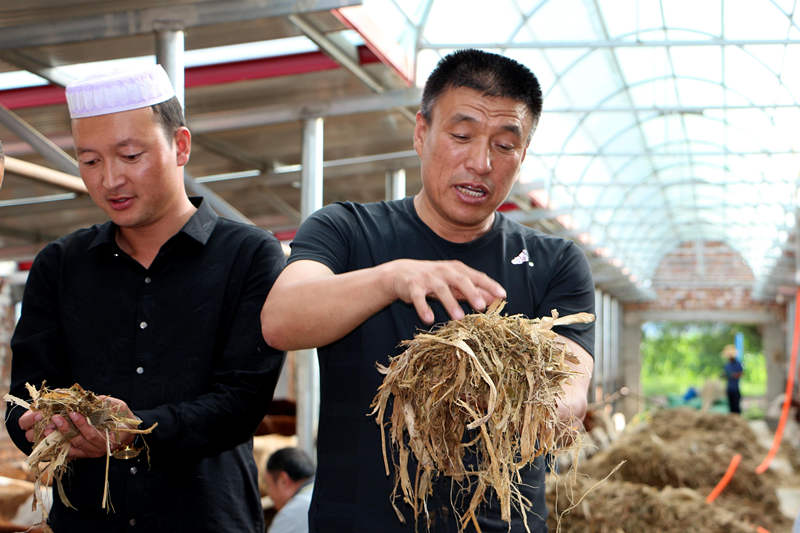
point(112, 176)
point(479, 159)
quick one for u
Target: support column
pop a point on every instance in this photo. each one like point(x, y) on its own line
point(311, 174)
point(619, 378)
point(169, 54)
point(616, 343)
point(775, 355)
point(395, 184)
point(608, 336)
point(307, 375)
point(597, 391)
point(632, 366)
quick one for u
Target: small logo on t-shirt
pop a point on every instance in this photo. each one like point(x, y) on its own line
point(521, 258)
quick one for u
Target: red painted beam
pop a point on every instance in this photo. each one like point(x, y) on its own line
point(507, 206)
point(270, 67)
point(285, 235)
point(391, 54)
point(32, 97)
point(253, 69)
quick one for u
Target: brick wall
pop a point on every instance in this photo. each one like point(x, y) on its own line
point(708, 275)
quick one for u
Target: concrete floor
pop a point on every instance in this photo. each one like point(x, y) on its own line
point(788, 496)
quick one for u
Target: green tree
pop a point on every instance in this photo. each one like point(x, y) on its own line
point(678, 355)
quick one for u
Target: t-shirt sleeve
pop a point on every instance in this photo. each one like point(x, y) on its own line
point(325, 237)
point(570, 291)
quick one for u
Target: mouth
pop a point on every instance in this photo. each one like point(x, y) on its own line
point(119, 203)
point(472, 191)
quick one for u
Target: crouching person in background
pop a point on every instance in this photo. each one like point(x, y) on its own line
point(290, 482)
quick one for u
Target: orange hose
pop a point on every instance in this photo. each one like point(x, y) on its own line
point(735, 460)
point(776, 442)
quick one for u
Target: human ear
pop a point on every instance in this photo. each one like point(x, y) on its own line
point(183, 145)
point(420, 131)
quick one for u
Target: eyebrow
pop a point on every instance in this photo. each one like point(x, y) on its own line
point(124, 142)
point(463, 117)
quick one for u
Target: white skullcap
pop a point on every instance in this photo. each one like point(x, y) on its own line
point(122, 91)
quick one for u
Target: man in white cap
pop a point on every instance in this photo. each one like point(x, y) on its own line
point(158, 309)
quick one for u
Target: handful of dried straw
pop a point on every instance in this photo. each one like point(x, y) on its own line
point(499, 375)
point(49, 459)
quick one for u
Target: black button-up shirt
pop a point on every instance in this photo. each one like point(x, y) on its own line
point(181, 343)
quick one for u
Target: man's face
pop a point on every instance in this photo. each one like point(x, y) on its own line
point(471, 152)
point(278, 488)
point(130, 167)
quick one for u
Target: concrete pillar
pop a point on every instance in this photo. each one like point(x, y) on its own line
point(311, 176)
point(616, 356)
point(307, 373)
point(597, 377)
point(169, 54)
point(776, 356)
point(608, 339)
point(395, 184)
point(632, 366)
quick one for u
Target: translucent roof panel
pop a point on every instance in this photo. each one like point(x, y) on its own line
point(663, 121)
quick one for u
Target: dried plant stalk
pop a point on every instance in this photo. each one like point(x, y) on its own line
point(499, 375)
point(49, 458)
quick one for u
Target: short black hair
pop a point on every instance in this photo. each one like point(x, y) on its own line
point(491, 74)
point(170, 115)
point(294, 461)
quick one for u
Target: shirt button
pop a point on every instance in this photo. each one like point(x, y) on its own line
point(147, 280)
point(142, 324)
point(139, 370)
point(134, 470)
point(132, 521)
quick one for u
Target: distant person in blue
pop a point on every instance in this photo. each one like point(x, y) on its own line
point(733, 371)
point(690, 394)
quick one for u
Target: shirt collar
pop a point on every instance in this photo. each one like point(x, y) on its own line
point(202, 222)
point(199, 227)
point(105, 235)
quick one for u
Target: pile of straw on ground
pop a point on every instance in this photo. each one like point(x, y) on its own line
point(49, 458)
point(623, 507)
point(688, 450)
point(498, 376)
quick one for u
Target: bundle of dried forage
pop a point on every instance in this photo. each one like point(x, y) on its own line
point(49, 458)
point(499, 376)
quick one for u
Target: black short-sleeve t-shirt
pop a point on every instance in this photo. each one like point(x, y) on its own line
point(539, 272)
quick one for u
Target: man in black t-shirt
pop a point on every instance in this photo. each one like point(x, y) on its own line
point(362, 278)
